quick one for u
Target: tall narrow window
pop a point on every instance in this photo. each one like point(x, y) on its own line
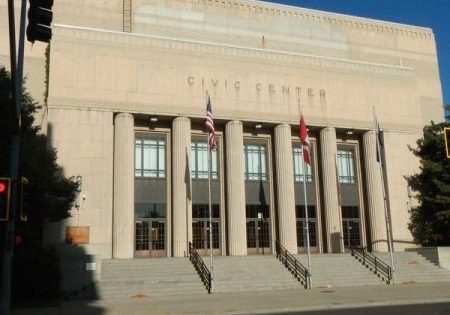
point(199, 160)
point(299, 166)
point(150, 157)
point(255, 162)
point(346, 166)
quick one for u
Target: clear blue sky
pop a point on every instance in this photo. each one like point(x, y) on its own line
point(434, 14)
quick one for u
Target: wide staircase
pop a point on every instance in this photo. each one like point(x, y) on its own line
point(338, 270)
point(410, 267)
point(148, 277)
point(251, 273)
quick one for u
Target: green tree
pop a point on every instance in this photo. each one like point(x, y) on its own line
point(430, 220)
point(49, 197)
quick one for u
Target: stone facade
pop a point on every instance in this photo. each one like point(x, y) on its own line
point(146, 65)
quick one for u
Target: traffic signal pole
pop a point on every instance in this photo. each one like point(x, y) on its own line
point(16, 91)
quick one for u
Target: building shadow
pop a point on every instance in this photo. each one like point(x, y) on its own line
point(51, 268)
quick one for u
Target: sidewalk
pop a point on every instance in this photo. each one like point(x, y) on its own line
point(256, 302)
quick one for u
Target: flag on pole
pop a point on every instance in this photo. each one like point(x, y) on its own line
point(304, 139)
point(379, 138)
point(209, 122)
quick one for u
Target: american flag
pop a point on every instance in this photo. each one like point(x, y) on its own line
point(209, 122)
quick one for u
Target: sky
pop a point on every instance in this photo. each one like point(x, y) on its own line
point(434, 14)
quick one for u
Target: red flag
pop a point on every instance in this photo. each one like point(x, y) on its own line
point(304, 139)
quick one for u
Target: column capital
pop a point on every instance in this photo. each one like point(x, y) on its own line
point(369, 133)
point(283, 126)
point(328, 129)
point(182, 118)
point(234, 122)
point(124, 115)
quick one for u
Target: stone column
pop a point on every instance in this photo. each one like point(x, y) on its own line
point(123, 214)
point(285, 188)
point(181, 207)
point(375, 197)
point(333, 216)
point(237, 224)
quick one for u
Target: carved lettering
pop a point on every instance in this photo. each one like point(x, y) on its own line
point(272, 88)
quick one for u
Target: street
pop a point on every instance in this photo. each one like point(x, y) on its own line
point(412, 309)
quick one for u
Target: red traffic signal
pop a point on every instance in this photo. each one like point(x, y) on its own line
point(5, 193)
point(3, 187)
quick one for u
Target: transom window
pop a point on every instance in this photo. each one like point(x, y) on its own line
point(150, 157)
point(199, 160)
point(255, 161)
point(346, 166)
point(299, 169)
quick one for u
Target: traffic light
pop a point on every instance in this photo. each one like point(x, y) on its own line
point(447, 141)
point(5, 193)
point(40, 17)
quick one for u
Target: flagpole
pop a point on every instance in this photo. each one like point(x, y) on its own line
point(386, 213)
point(211, 264)
point(306, 218)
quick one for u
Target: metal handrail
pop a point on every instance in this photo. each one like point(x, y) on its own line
point(300, 272)
point(200, 266)
point(380, 268)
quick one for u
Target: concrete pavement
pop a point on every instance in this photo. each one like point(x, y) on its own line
point(255, 302)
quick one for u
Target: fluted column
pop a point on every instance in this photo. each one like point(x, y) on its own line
point(285, 187)
point(237, 225)
point(182, 210)
point(123, 215)
point(375, 197)
point(333, 222)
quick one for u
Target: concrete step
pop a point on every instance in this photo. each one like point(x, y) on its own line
point(252, 273)
point(338, 270)
point(410, 267)
point(148, 277)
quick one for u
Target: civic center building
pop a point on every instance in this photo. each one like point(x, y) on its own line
point(126, 107)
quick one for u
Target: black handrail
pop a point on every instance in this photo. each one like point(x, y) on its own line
point(380, 268)
point(199, 265)
point(300, 272)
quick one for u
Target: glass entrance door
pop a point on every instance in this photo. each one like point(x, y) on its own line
point(301, 235)
point(351, 233)
point(150, 238)
point(200, 236)
point(258, 236)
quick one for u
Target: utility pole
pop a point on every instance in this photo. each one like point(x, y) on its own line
point(40, 17)
point(16, 91)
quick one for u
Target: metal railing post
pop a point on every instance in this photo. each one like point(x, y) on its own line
point(376, 265)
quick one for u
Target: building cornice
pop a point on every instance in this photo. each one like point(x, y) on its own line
point(260, 9)
point(133, 39)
